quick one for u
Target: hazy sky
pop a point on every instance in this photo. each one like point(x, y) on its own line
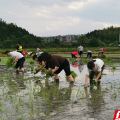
point(61, 17)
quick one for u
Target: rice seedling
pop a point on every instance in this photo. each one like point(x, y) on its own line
point(21, 117)
point(72, 59)
point(9, 63)
point(95, 83)
point(104, 74)
point(74, 75)
point(114, 68)
point(42, 70)
point(114, 95)
point(32, 62)
point(86, 60)
point(109, 59)
point(16, 106)
point(0, 106)
point(32, 68)
point(13, 66)
point(39, 65)
point(48, 73)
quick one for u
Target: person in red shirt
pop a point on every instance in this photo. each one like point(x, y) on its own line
point(73, 54)
point(102, 51)
point(24, 53)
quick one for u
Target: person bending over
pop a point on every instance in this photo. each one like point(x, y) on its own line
point(92, 66)
point(60, 64)
point(89, 54)
point(19, 58)
point(73, 54)
point(102, 52)
point(43, 63)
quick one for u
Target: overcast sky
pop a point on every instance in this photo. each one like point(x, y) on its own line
point(61, 17)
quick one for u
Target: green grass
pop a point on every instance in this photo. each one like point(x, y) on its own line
point(65, 49)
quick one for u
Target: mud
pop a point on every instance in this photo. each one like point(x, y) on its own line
point(21, 98)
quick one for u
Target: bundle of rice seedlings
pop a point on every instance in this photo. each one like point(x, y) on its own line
point(48, 73)
point(72, 59)
point(14, 66)
point(74, 75)
point(42, 70)
point(113, 68)
point(31, 62)
point(95, 83)
point(39, 65)
point(9, 62)
point(32, 68)
point(86, 60)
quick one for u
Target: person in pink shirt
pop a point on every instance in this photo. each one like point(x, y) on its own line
point(73, 54)
point(38, 50)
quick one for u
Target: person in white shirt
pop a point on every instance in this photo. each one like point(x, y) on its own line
point(89, 53)
point(94, 65)
point(80, 50)
point(19, 58)
point(39, 53)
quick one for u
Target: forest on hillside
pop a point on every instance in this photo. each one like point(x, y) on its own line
point(11, 34)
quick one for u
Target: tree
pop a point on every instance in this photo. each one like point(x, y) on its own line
point(82, 40)
point(94, 42)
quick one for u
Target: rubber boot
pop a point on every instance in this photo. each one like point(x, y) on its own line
point(56, 80)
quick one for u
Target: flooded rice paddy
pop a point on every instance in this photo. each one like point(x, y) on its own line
point(35, 97)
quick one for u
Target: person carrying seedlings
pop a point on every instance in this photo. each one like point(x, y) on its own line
point(92, 67)
point(89, 54)
point(80, 50)
point(73, 54)
point(102, 51)
point(60, 64)
point(19, 58)
point(19, 48)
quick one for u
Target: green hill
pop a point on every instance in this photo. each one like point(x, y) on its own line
point(11, 34)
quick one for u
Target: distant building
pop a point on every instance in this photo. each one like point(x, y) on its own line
point(65, 38)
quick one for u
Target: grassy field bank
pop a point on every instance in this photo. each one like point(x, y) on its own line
point(95, 49)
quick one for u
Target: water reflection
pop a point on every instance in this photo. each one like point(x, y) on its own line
point(78, 63)
point(55, 97)
point(95, 100)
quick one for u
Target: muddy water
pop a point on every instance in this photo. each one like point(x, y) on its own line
point(21, 98)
